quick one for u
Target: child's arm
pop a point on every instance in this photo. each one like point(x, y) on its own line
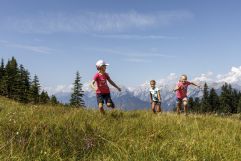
point(150, 97)
point(93, 85)
point(159, 96)
point(195, 84)
point(113, 84)
point(177, 88)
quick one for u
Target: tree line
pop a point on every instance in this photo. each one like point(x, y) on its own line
point(16, 84)
point(227, 101)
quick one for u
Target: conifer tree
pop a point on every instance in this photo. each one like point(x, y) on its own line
point(23, 88)
point(191, 104)
point(44, 97)
point(10, 79)
point(197, 104)
point(239, 106)
point(235, 101)
point(34, 90)
point(76, 99)
point(213, 101)
point(205, 106)
point(2, 68)
point(226, 99)
point(2, 72)
point(53, 100)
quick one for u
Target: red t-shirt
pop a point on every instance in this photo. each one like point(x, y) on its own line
point(101, 80)
point(182, 92)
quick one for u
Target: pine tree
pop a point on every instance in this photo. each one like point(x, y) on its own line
point(191, 104)
point(205, 106)
point(53, 100)
point(2, 68)
point(239, 106)
point(213, 100)
point(2, 73)
point(235, 101)
point(197, 104)
point(23, 85)
point(10, 82)
point(44, 97)
point(226, 99)
point(76, 99)
point(34, 90)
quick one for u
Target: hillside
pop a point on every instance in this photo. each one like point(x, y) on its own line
point(30, 132)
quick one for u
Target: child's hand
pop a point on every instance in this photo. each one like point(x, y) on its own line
point(119, 89)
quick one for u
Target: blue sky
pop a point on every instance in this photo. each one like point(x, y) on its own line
point(140, 39)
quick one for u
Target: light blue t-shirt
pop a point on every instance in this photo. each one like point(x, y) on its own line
point(154, 93)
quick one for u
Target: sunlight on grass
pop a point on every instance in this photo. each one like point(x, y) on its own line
point(29, 132)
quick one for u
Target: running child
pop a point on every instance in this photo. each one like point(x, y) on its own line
point(155, 97)
point(102, 89)
point(181, 93)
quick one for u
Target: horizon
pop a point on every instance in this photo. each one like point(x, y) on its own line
point(140, 40)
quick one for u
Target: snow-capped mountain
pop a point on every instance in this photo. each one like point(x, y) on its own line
point(138, 97)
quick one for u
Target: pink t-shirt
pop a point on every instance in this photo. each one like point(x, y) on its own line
point(182, 92)
point(101, 80)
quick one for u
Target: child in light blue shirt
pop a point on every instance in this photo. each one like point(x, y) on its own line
point(155, 97)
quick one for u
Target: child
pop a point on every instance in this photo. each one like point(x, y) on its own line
point(181, 93)
point(155, 97)
point(102, 89)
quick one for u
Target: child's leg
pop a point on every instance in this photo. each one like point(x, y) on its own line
point(153, 105)
point(178, 105)
point(185, 104)
point(101, 108)
point(100, 103)
point(158, 106)
point(109, 101)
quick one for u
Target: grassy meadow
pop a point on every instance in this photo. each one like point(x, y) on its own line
point(43, 132)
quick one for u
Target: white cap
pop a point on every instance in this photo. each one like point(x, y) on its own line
point(100, 63)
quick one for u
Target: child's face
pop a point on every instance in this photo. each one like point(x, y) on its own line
point(153, 84)
point(183, 79)
point(102, 68)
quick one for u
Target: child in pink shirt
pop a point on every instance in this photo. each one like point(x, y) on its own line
point(102, 89)
point(181, 93)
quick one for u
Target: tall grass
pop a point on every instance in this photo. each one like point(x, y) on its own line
point(29, 132)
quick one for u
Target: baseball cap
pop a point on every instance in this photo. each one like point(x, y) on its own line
point(100, 63)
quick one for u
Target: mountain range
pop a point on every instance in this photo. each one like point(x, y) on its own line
point(131, 98)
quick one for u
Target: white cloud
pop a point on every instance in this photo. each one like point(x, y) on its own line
point(137, 60)
point(3, 41)
point(234, 76)
point(204, 77)
point(170, 79)
point(59, 89)
point(135, 56)
point(93, 22)
point(33, 48)
point(131, 36)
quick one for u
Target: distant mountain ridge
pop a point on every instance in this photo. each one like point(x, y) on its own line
point(131, 98)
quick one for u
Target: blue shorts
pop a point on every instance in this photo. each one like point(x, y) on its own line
point(104, 98)
point(180, 100)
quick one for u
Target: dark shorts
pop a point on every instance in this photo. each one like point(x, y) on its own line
point(104, 98)
point(180, 100)
point(157, 102)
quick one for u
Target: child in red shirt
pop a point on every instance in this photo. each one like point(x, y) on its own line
point(102, 89)
point(181, 93)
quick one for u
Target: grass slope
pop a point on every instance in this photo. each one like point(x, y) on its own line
point(29, 132)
